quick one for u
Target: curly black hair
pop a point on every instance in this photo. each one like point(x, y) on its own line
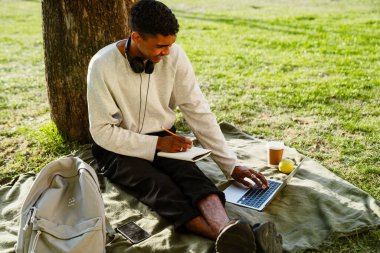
point(150, 17)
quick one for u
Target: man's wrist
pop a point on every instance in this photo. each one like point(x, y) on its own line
point(159, 143)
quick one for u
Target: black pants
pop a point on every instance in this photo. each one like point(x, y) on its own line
point(170, 187)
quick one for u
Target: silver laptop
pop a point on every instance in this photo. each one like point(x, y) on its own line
point(255, 197)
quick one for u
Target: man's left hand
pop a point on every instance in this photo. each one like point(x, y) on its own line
point(241, 172)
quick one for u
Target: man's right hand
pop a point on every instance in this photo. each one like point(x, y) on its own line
point(173, 144)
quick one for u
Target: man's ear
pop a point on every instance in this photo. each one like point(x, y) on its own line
point(136, 37)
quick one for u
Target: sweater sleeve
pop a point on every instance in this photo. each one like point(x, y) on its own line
point(105, 118)
point(198, 115)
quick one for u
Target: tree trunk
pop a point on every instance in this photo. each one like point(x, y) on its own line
point(73, 31)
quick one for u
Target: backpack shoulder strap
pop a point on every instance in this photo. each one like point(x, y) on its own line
point(80, 164)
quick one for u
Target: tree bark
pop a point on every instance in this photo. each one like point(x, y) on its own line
point(73, 31)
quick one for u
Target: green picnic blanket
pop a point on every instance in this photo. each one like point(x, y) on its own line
point(314, 208)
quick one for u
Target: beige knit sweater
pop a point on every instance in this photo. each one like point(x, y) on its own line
point(115, 102)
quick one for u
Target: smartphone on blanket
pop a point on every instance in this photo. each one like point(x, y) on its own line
point(133, 232)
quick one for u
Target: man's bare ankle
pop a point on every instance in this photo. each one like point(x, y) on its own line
point(213, 212)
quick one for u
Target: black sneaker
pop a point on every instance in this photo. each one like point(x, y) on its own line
point(236, 236)
point(267, 239)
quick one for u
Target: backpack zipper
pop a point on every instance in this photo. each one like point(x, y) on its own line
point(31, 216)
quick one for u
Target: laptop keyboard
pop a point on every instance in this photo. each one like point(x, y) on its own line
point(255, 197)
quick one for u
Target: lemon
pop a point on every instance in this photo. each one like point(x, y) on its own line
point(286, 166)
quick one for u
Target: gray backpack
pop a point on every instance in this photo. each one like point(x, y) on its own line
point(64, 211)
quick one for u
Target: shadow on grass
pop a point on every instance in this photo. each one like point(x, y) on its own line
point(312, 30)
point(245, 22)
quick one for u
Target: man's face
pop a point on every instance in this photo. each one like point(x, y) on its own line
point(155, 47)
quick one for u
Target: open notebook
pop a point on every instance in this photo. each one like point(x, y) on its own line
point(194, 154)
point(254, 197)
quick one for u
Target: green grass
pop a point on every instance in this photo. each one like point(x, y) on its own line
point(29, 140)
point(306, 72)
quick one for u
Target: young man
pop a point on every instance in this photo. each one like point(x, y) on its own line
point(134, 86)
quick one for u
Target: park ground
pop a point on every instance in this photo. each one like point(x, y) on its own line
point(306, 72)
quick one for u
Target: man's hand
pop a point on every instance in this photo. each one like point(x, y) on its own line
point(173, 144)
point(240, 172)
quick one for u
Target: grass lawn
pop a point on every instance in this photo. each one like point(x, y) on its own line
point(306, 72)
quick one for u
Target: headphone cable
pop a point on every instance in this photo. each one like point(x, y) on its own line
point(146, 101)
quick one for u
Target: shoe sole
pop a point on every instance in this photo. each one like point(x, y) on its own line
point(236, 237)
point(267, 239)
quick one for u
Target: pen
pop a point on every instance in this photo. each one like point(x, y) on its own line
point(168, 131)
